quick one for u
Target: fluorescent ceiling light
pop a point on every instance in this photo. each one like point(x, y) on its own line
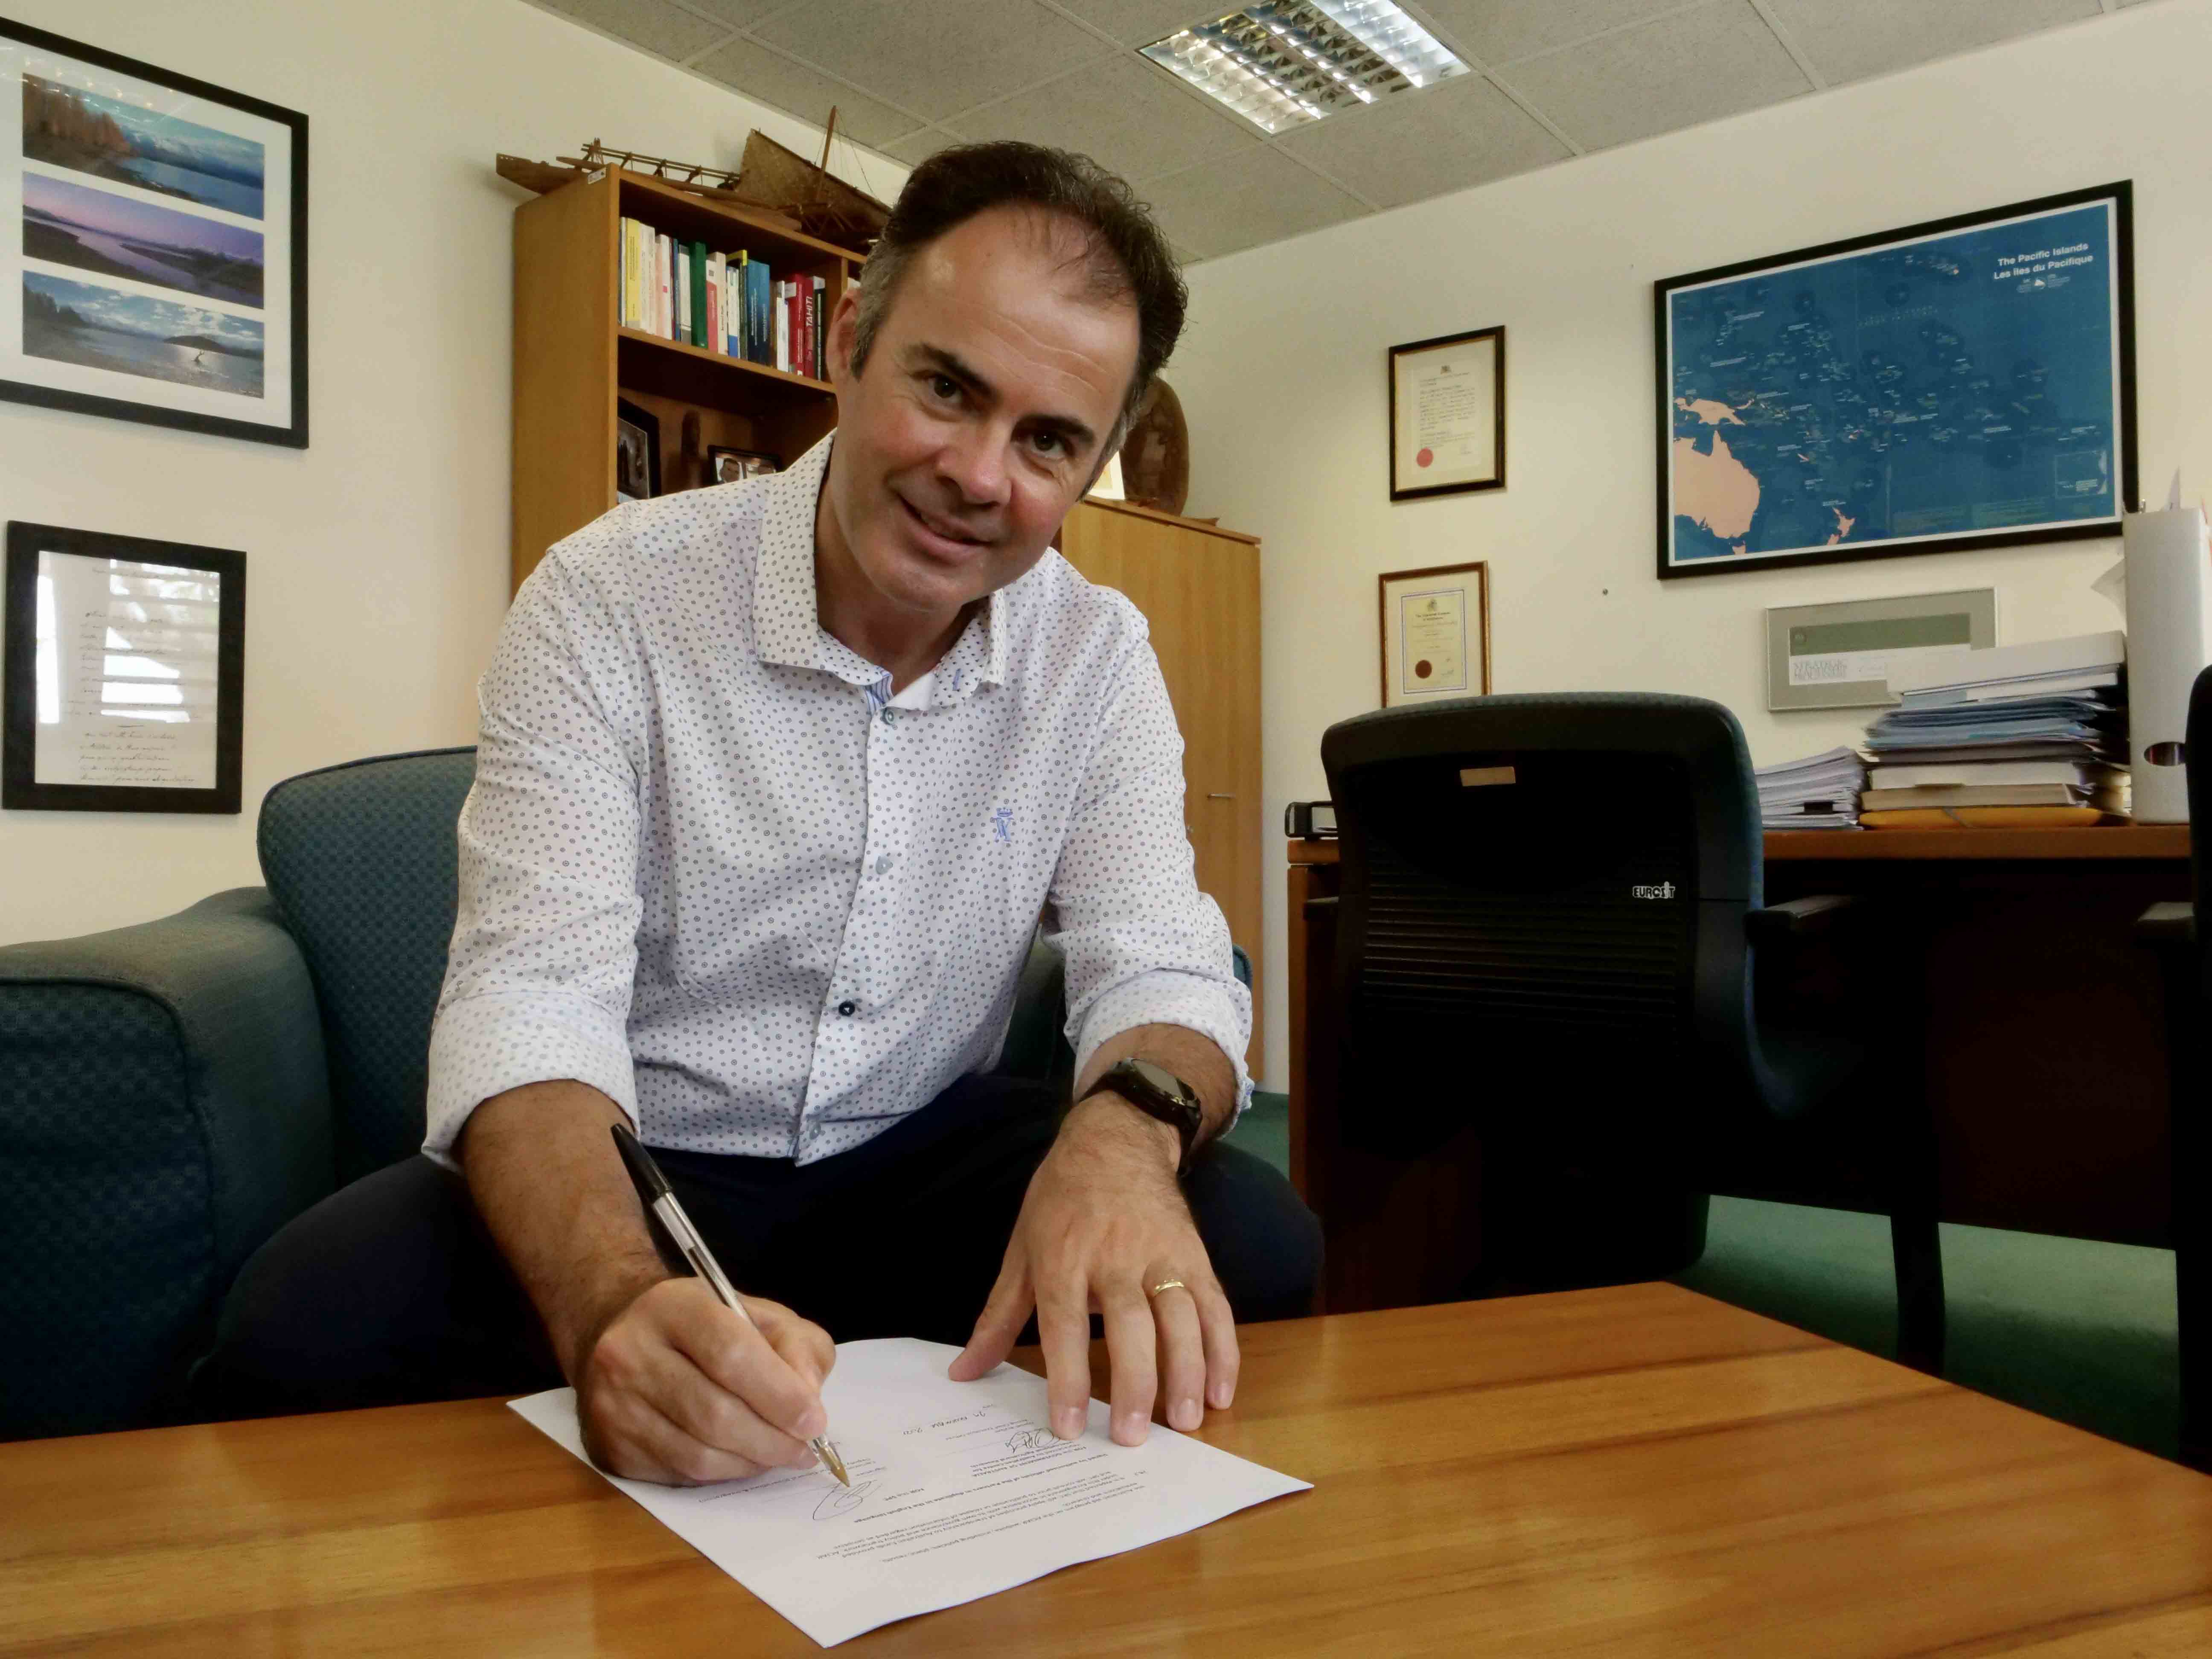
point(1281, 62)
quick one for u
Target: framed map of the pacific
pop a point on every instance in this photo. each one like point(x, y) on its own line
point(1965, 383)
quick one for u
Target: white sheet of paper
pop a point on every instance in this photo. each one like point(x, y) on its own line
point(959, 1490)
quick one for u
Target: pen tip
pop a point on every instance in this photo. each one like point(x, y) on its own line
point(829, 1454)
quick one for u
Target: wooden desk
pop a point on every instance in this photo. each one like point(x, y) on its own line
point(2046, 1046)
point(1635, 1471)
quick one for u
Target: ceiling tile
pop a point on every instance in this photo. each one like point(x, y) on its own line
point(1123, 113)
point(1255, 197)
point(1412, 145)
point(1499, 31)
point(1140, 22)
point(936, 57)
point(654, 24)
point(918, 146)
point(775, 79)
point(1693, 66)
point(1847, 40)
point(742, 14)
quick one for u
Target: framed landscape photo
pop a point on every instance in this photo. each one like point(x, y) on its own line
point(153, 265)
point(1969, 382)
point(1448, 415)
point(1435, 633)
point(122, 683)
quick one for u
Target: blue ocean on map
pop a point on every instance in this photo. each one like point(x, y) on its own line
point(1959, 383)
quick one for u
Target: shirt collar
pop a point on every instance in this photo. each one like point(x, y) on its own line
point(788, 628)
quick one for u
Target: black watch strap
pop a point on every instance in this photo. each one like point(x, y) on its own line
point(1158, 1092)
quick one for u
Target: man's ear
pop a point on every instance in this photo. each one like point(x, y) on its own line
point(844, 329)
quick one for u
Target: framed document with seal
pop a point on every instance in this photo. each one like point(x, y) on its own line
point(1435, 633)
point(125, 673)
point(1448, 415)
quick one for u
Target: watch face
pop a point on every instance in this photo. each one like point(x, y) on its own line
point(1163, 1081)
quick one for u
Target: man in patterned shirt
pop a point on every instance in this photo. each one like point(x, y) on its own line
point(774, 782)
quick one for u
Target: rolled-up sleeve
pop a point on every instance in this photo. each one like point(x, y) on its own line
point(1143, 945)
point(538, 980)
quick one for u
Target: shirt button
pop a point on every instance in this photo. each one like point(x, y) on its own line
point(883, 863)
point(889, 716)
point(847, 1008)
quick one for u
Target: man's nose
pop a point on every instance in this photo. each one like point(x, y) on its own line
point(974, 462)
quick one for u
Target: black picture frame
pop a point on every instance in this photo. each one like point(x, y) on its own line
point(1495, 338)
point(19, 787)
point(2118, 251)
point(647, 425)
point(291, 434)
point(717, 453)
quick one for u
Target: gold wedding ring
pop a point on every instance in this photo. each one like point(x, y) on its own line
point(1166, 1285)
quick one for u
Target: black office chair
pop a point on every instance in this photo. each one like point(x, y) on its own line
point(1548, 912)
point(2173, 930)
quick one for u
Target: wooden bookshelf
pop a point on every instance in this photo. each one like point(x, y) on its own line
point(573, 361)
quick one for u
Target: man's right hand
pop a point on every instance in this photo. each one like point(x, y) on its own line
point(676, 1389)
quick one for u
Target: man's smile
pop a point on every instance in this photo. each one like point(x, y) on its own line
point(938, 536)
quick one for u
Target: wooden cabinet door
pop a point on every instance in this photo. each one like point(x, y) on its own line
point(1200, 592)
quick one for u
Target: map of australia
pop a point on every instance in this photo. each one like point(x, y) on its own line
point(1958, 384)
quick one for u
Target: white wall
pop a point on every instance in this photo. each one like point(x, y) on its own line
point(377, 560)
point(1283, 379)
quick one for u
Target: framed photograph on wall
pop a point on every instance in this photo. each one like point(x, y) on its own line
point(637, 452)
point(1435, 633)
point(122, 686)
point(154, 264)
point(1968, 382)
point(1448, 415)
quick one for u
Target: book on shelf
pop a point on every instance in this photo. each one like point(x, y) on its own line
point(722, 300)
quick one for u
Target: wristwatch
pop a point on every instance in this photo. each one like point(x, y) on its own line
point(1158, 1092)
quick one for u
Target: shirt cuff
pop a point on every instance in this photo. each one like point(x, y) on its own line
point(1220, 1011)
point(484, 1045)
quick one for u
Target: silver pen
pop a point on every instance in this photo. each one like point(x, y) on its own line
point(660, 1200)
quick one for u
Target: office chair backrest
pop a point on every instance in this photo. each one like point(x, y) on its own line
point(1541, 924)
point(361, 859)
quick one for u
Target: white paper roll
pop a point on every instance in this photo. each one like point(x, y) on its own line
point(2169, 640)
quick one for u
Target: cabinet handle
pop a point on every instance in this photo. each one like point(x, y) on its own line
point(1216, 794)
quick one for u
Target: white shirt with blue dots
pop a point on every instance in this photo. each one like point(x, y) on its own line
point(713, 868)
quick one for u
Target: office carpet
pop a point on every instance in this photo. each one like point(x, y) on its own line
point(2082, 1331)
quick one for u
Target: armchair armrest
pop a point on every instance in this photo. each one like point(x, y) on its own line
point(2168, 926)
point(164, 1107)
point(1798, 919)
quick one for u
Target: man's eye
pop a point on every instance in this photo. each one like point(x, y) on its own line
point(1050, 443)
point(944, 387)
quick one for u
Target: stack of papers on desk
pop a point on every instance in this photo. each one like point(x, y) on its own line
point(2022, 730)
point(959, 1490)
point(1821, 792)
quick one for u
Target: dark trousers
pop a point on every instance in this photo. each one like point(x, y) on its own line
point(391, 1290)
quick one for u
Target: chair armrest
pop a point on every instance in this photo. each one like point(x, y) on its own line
point(2169, 926)
point(1798, 919)
point(164, 1107)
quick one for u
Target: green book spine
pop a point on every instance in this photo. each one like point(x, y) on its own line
point(699, 294)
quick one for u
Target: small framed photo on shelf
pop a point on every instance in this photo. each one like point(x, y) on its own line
point(1448, 415)
point(1435, 633)
point(637, 452)
point(159, 265)
point(124, 673)
point(728, 465)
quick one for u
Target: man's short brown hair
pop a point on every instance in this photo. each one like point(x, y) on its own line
point(1127, 258)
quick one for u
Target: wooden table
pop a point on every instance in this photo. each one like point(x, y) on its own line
point(2047, 1052)
point(1621, 1472)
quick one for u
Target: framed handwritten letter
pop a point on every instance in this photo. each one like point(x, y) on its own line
point(125, 673)
point(1965, 383)
point(1448, 415)
point(1435, 633)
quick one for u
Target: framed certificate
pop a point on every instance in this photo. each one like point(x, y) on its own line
point(125, 673)
point(1839, 656)
point(1435, 633)
point(1448, 415)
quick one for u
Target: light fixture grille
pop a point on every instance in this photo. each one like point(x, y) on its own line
point(1281, 62)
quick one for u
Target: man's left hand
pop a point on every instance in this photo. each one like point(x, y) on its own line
point(1102, 1224)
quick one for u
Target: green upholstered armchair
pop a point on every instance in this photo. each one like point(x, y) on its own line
point(173, 1093)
